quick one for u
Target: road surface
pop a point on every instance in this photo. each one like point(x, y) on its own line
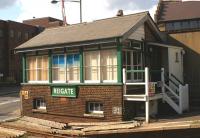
point(9, 103)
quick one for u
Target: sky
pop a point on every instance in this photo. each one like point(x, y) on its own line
point(19, 10)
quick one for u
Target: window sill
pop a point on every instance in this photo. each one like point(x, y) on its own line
point(94, 115)
point(39, 110)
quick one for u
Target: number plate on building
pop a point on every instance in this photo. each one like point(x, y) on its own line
point(63, 91)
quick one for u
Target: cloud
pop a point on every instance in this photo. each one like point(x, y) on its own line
point(7, 3)
point(92, 9)
point(132, 4)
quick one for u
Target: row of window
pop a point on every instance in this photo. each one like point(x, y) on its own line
point(182, 25)
point(18, 35)
point(99, 66)
point(92, 107)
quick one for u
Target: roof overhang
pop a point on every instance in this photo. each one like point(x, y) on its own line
point(77, 44)
point(163, 45)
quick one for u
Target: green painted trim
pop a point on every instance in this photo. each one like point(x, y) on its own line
point(66, 84)
point(50, 66)
point(119, 62)
point(24, 68)
point(81, 66)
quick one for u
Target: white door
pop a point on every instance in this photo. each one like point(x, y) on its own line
point(175, 63)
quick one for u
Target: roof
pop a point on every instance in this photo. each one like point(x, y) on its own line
point(177, 10)
point(96, 30)
point(42, 18)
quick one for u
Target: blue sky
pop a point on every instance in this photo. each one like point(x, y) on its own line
point(10, 13)
point(19, 10)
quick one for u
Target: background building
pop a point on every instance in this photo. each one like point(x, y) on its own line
point(181, 20)
point(13, 34)
point(45, 22)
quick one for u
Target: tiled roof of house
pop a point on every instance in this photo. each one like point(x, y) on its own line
point(177, 10)
point(96, 30)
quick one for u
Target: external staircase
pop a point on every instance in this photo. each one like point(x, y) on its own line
point(172, 90)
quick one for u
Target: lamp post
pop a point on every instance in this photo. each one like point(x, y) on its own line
point(63, 8)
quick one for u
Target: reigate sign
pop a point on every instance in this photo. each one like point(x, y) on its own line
point(64, 91)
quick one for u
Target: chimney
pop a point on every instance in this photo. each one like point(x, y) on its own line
point(120, 13)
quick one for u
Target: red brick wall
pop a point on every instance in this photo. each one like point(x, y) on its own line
point(14, 61)
point(73, 109)
point(45, 22)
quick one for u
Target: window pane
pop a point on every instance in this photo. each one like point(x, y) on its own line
point(92, 65)
point(169, 26)
point(55, 61)
point(44, 70)
point(31, 68)
point(177, 25)
point(76, 60)
point(39, 62)
point(55, 72)
point(109, 64)
point(193, 24)
point(58, 68)
point(73, 67)
point(61, 60)
point(70, 59)
point(185, 25)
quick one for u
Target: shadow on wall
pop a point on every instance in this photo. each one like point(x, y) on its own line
point(191, 65)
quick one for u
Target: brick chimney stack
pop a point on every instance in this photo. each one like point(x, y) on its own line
point(120, 13)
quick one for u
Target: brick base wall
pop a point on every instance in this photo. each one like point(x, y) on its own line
point(74, 109)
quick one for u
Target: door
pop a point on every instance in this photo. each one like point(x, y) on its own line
point(175, 57)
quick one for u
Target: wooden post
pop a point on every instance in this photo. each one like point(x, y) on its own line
point(119, 62)
point(21, 103)
point(163, 79)
point(147, 94)
point(24, 68)
point(180, 99)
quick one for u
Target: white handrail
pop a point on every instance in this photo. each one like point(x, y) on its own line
point(171, 91)
point(124, 80)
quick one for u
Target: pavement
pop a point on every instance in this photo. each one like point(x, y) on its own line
point(9, 103)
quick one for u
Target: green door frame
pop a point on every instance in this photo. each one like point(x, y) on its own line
point(119, 62)
point(24, 68)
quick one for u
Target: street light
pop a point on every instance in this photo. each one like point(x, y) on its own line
point(63, 8)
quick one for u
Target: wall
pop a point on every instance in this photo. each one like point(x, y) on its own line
point(3, 50)
point(191, 43)
point(14, 61)
point(73, 109)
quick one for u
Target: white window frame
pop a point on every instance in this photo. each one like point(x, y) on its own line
point(95, 111)
point(42, 105)
point(38, 81)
